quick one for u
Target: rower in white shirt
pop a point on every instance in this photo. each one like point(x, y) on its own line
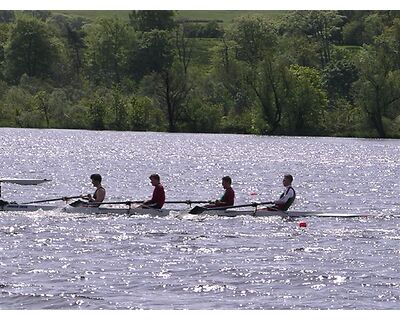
point(287, 197)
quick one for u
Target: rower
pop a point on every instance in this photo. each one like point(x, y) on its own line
point(98, 196)
point(287, 197)
point(228, 198)
point(158, 199)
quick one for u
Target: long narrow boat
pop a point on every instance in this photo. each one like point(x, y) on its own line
point(117, 211)
point(227, 212)
point(283, 214)
point(166, 212)
point(84, 210)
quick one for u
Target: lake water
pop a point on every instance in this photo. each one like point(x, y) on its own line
point(52, 260)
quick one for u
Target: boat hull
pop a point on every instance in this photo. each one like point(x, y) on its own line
point(283, 214)
point(166, 212)
point(27, 207)
point(117, 211)
point(85, 210)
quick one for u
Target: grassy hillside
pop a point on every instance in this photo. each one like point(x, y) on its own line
point(226, 16)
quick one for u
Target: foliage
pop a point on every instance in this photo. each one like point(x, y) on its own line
point(378, 90)
point(322, 27)
point(148, 20)
point(253, 36)
point(108, 50)
point(308, 101)
point(290, 73)
point(31, 49)
point(210, 29)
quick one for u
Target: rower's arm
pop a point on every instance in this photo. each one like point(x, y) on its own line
point(100, 195)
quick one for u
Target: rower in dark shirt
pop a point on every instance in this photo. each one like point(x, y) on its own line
point(158, 199)
point(228, 199)
point(98, 196)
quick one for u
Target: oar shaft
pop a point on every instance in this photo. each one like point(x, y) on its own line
point(188, 201)
point(255, 204)
point(48, 200)
point(127, 202)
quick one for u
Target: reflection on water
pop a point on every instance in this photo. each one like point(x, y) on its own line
point(58, 261)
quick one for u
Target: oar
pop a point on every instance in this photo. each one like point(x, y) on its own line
point(127, 202)
point(188, 201)
point(55, 199)
point(198, 210)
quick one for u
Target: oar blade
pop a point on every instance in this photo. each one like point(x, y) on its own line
point(197, 210)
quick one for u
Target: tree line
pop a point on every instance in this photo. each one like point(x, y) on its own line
point(307, 73)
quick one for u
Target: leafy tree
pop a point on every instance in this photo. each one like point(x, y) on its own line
point(155, 53)
point(322, 27)
point(148, 20)
point(173, 92)
point(31, 49)
point(270, 86)
point(71, 30)
point(373, 26)
point(7, 16)
point(378, 90)
point(96, 106)
point(184, 48)
point(353, 33)
point(254, 37)
point(308, 101)
point(41, 104)
point(338, 77)
point(119, 110)
point(143, 115)
point(19, 108)
point(38, 14)
point(108, 48)
point(298, 49)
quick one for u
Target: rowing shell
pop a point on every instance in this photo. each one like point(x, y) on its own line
point(117, 211)
point(85, 210)
point(166, 212)
point(283, 214)
point(24, 182)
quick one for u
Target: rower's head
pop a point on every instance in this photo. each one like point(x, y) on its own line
point(154, 179)
point(287, 180)
point(226, 182)
point(96, 179)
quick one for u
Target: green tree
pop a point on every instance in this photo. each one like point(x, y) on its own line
point(96, 106)
point(31, 49)
point(155, 53)
point(41, 104)
point(271, 88)
point(71, 31)
point(144, 116)
point(109, 44)
point(322, 27)
point(308, 102)
point(338, 77)
point(119, 109)
point(7, 16)
point(148, 20)
point(254, 36)
point(378, 89)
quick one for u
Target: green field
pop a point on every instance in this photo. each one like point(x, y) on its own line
point(226, 16)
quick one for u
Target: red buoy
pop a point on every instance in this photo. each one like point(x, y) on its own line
point(302, 224)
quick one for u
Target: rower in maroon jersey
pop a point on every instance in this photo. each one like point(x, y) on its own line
point(228, 198)
point(158, 198)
